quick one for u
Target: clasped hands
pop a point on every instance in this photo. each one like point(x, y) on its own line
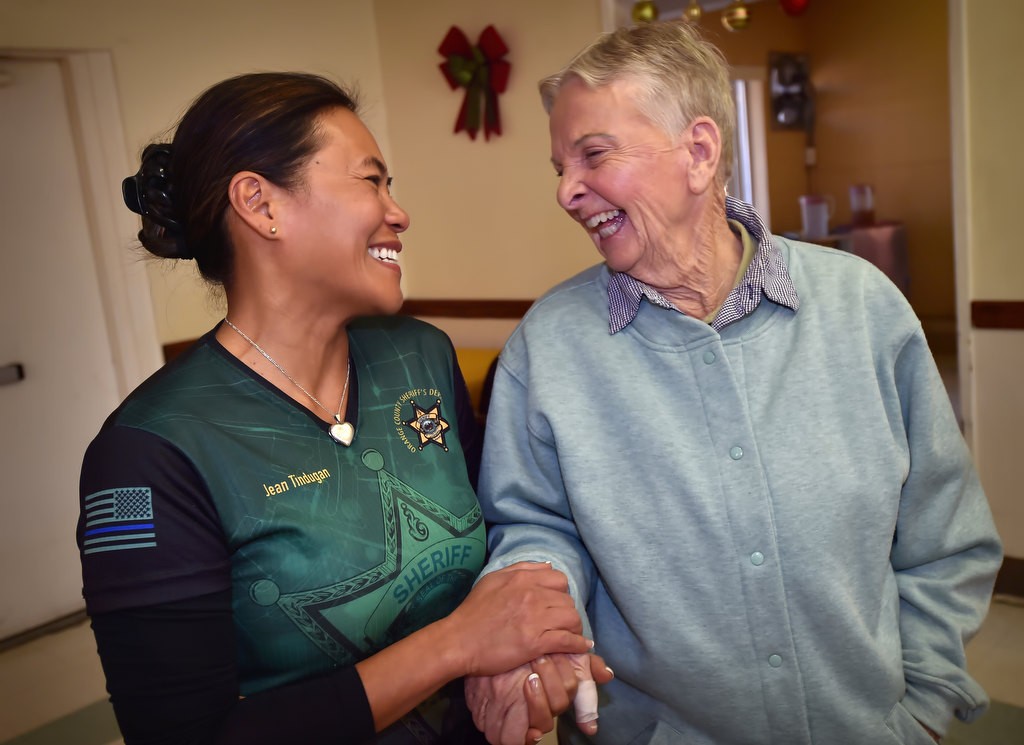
point(513, 698)
point(517, 707)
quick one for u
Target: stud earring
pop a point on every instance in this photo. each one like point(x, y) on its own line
point(273, 230)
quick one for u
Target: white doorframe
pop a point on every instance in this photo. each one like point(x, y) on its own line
point(124, 283)
point(754, 81)
point(959, 103)
point(611, 15)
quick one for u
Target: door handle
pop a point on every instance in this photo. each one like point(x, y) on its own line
point(11, 373)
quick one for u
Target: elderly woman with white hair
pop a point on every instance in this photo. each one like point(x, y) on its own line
point(745, 460)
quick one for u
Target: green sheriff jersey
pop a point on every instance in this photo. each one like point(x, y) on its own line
point(208, 477)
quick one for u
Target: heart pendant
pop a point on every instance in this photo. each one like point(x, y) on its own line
point(343, 433)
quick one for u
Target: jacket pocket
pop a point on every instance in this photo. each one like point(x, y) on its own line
point(905, 728)
point(658, 733)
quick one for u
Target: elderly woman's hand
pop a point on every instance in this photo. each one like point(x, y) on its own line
point(519, 706)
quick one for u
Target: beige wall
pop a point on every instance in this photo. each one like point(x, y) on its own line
point(484, 218)
point(995, 112)
point(989, 108)
point(164, 54)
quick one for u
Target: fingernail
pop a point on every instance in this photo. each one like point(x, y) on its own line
point(590, 644)
point(534, 680)
point(541, 660)
point(610, 671)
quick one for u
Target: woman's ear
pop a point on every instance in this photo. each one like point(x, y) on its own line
point(704, 144)
point(251, 199)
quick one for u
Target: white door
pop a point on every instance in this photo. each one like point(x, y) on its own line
point(52, 322)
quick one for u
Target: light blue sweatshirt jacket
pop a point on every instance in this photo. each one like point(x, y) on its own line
point(775, 532)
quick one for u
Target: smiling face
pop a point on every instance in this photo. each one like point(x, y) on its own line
point(344, 222)
point(623, 178)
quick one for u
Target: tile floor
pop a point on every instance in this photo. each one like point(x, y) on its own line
point(52, 692)
point(46, 680)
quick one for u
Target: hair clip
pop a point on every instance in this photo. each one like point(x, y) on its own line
point(147, 193)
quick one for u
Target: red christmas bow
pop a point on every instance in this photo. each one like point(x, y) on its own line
point(482, 72)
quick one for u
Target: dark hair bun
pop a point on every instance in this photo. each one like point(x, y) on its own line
point(150, 193)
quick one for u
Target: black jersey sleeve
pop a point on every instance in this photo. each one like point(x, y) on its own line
point(172, 679)
point(148, 531)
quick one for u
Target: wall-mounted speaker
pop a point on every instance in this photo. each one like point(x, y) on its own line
point(792, 97)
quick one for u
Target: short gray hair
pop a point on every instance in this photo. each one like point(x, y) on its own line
point(679, 74)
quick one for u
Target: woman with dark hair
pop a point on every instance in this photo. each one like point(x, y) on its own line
point(279, 533)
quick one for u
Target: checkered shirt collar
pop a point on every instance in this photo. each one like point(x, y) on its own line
point(766, 276)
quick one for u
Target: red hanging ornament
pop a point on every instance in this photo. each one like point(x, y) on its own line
point(482, 72)
point(794, 7)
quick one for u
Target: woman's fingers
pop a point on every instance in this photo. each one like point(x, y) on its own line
point(502, 706)
point(526, 565)
point(599, 671)
point(539, 715)
point(585, 701)
point(543, 572)
point(571, 679)
point(585, 704)
point(520, 705)
point(558, 680)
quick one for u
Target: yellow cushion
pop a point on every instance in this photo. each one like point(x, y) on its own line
point(474, 363)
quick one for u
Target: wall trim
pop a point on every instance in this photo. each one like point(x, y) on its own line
point(997, 314)
point(456, 308)
point(51, 627)
point(174, 348)
point(985, 314)
point(428, 308)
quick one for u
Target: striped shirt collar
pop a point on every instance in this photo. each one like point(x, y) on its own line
point(765, 276)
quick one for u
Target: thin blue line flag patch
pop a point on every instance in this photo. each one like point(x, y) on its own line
point(118, 520)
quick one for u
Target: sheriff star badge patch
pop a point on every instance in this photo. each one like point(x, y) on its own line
point(429, 425)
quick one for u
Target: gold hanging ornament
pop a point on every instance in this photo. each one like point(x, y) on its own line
point(736, 17)
point(692, 12)
point(645, 11)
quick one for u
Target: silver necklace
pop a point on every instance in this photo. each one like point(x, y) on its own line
point(340, 431)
